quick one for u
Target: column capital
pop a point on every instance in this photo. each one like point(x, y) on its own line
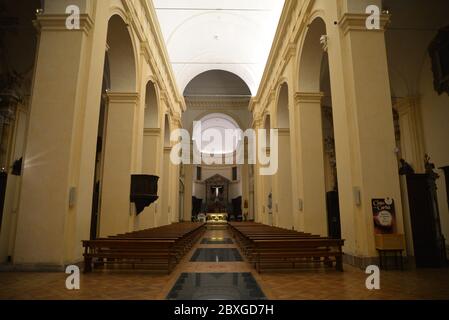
point(283, 131)
point(123, 97)
point(152, 132)
point(308, 97)
point(57, 22)
point(357, 22)
point(404, 104)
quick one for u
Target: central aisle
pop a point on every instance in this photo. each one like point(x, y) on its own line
point(214, 270)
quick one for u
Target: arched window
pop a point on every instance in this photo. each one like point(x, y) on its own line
point(217, 134)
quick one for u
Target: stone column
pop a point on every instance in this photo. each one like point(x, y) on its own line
point(244, 177)
point(188, 186)
point(363, 122)
point(56, 191)
point(117, 214)
point(174, 192)
point(258, 188)
point(245, 180)
point(163, 216)
point(310, 163)
point(151, 158)
point(412, 144)
point(282, 193)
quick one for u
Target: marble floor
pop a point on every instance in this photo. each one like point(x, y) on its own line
point(301, 284)
point(216, 255)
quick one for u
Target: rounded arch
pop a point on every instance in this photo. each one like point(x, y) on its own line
point(151, 105)
point(227, 113)
point(190, 72)
point(121, 54)
point(236, 77)
point(311, 54)
point(282, 105)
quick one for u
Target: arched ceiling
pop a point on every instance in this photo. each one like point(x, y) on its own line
point(217, 83)
point(229, 35)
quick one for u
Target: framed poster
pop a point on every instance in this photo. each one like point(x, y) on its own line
point(384, 216)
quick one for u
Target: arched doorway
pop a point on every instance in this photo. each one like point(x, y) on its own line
point(283, 211)
point(164, 216)
point(317, 175)
point(116, 128)
point(267, 190)
point(151, 142)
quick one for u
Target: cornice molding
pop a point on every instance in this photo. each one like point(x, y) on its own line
point(293, 10)
point(308, 97)
point(163, 94)
point(122, 97)
point(57, 22)
point(253, 104)
point(152, 131)
point(289, 52)
point(202, 103)
point(357, 22)
point(271, 96)
point(283, 131)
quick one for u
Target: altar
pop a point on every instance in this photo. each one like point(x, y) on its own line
point(217, 218)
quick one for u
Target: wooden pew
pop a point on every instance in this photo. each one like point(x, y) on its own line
point(267, 246)
point(158, 248)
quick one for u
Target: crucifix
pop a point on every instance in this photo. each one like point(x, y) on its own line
point(217, 191)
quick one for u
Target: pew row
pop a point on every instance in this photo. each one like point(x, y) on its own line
point(158, 248)
point(271, 248)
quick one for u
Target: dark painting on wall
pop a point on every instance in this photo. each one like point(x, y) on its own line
point(439, 53)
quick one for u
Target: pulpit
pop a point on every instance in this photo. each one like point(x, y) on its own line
point(143, 191)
